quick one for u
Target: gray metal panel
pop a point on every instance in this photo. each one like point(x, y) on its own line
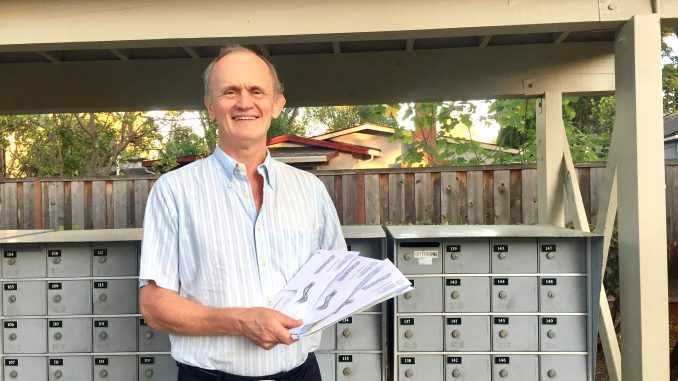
point(520, 334)
point(358, 366)
point(518, 368)
point(69, 260)
point(467, 255)
point(562, 333)
point(363, 231)
point(160, 368)
point(468, 368)
point(71, 368)
point(568, 294)
point(359, 332)
point(115, 296)
point(23, 261)
point(24, 298)
point(514, 294)
point(151, 340)
point(568, 255)
point(471, 231)
point(25, 368)
point(69, 335)
point(467, 294)
point(327, 364)
point(420, 367)
point(467, 334)
point(328, 339)
point(25, 336)
point(115, 368)
point(69, 297)
point(63, 236)
point(114, 259)
point(563, 367)
point(420, 333)
point(116, 334)
point(427, 296)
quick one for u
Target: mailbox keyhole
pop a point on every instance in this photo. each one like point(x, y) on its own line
point(409, 373)
point(148, 373)
point(149, 334)
point(58, 374)
point(57, 336)
point(11, 261)
point(56, 260)
point(13, 374)
point(408, 334)
point(103, 297)
point(408, 295)
point(503, 373)
point(12, 298)
point(56, 298)
point(551, 373)
point(102, 259)
point(103, 373)
point(454, 256)
point(456, 373)
point(551, 294)
point(456, 333)
point(551, 334)
point(502, 255)
point(503, 333)
point(346, 371)
point(103, 335)
point(550, 255)
point(503, 294)
point(455, 295)
point(408, 256)
point(12, 336)
point(346, 333)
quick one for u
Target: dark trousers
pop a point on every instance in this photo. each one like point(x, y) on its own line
point(308, 371)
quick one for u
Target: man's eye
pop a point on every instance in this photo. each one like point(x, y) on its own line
point(229, 92)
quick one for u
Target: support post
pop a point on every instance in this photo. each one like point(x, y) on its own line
point(642, 203)
point(550, 192)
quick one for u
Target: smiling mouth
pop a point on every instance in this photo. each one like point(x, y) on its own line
point(245, 117)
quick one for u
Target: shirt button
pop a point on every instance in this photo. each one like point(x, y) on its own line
point(269, 298)
point(258, 225)
point(264, 262)
point(241, 166)
point(247, 195)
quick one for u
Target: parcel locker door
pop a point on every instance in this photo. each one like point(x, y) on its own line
point(115, 296)
point(467, 255)
point(70, 368)
point(23, 261)
point(69, 260)
point(326, 363)
point(420, 333)
point(160, 368)
point(328, 340)
point(467, 294)
point(115, 368)
point(563, 294)
point(114, 334)
point(467, 333)
point(419, 257)
point(69, 297)
point(114, 259)
point(420, 367)
point(562, 255)
point(25, 368)
point(563, 333)
point(514, 333)
point(515, 368)
point(25, 336)
point(468, 368)
point(358, 367)
point(69, 335)
point(514, 294)
point(359, 332)
point(514, 255)
point(24, 298)
point(151, 340)
point(563, 368)
point(368, 247)
point(427, 296)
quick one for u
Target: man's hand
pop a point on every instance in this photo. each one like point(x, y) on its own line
point(266, 327)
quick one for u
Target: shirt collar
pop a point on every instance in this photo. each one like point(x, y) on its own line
point(229, 166)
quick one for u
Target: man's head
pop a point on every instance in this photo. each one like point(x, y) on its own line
point(243, 94)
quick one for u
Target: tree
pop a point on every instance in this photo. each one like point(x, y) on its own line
point(340, 117)
point(288, 122)
point(670, 78)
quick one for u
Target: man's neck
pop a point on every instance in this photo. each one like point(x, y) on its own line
point(252, 155)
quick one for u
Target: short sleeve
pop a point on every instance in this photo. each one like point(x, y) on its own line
point(160, 240)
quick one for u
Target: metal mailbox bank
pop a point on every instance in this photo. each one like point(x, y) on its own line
point(496, 303)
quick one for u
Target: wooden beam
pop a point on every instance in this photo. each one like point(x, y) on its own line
point(122, 56)
point(550, 192)
point(409, 44)
point(561, 37)
point(336, 47)
point(485, 41)
point(190, 51)
point(48, 56)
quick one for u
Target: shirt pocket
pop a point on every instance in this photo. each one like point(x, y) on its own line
point(293, 247)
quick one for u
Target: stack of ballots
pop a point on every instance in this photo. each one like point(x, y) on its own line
point(334, 284)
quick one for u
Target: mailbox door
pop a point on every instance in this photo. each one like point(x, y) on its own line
point(25, 336)
point(368, 247)
point(514, 294)
point(467, 333)
point(468, 368)
point(115, 368)
point(358, 367)
point(515, 368)
point(562, 255)
point(467, 294)
point(563, 368)
point(25, 368)
point(23, 261)
point(69, 335)
point(115, 296)
point(114, 259)
point(467, 256)
point(420, 367)
point(427, 296)
point(419, 257)
point(515, 333)
point(514, 255)
point(114, 334)
point(160, 368)
point(328, 339)
point(69, 260)
point(326, 363)
point(563, 333)
point(70, 368)
point(420, 333)
point(69, 297)
point(359, 332)
point(151, 340)
point(24, 298)
point(563, 294)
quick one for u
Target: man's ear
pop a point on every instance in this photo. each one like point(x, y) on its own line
point(278, 106)
point(208, 106)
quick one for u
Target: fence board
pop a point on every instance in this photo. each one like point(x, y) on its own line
point(423, 195)
point(98, 204)
point(110, 205)
point(396, 198)
point(529, 191)
point(68, 216)
point(77, 205)
point(360, 198)
point(55, 209)
point(502, 197)
point(20, 217)
point(584, 178)
point(140, 196)
point(462, 192)
point(28, 209)
point(449, 200)
point(372, 200)
point(9, 206)
point(488, 197)
point(119, 204)
point(410, 216)
point(474, 197)
point(435, 197)
point(348, 197)
point(597, 178)
point(383, 198)
point(516, 190)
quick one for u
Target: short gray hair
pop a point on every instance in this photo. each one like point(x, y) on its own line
point(277, 85)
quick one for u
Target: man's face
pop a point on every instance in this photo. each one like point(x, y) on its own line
point(242, 99)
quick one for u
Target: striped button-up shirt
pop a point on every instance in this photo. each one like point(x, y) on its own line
point(204, 239)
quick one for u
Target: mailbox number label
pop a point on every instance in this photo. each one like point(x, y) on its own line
point(11, 324)
point(57, 362)
point(453, 282)
point(56, 324)
point(11, 362)
point(501, 320)
point(453, 321)
point(549, 282)
point(454, 360)
point(101, 323)
point(501, 360)
point(407, 360)
point(55, 286)
point(549, 320)
point(10, 286)
point(100, 361)
point(406, 321)
point(500, 248)
point(146, 360)
point(501, 281)
point(100, 284)
point(453, 248)
point(10, 254)
point(53, 253)
point(548, 248)
point(100, 252)
point(348, 320)
point(345, 358)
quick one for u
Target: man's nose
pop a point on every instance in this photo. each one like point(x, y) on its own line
point(245, 100)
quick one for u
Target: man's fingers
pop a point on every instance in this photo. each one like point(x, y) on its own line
point(288, 322)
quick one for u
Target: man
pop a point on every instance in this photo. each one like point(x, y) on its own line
point(223, 235)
